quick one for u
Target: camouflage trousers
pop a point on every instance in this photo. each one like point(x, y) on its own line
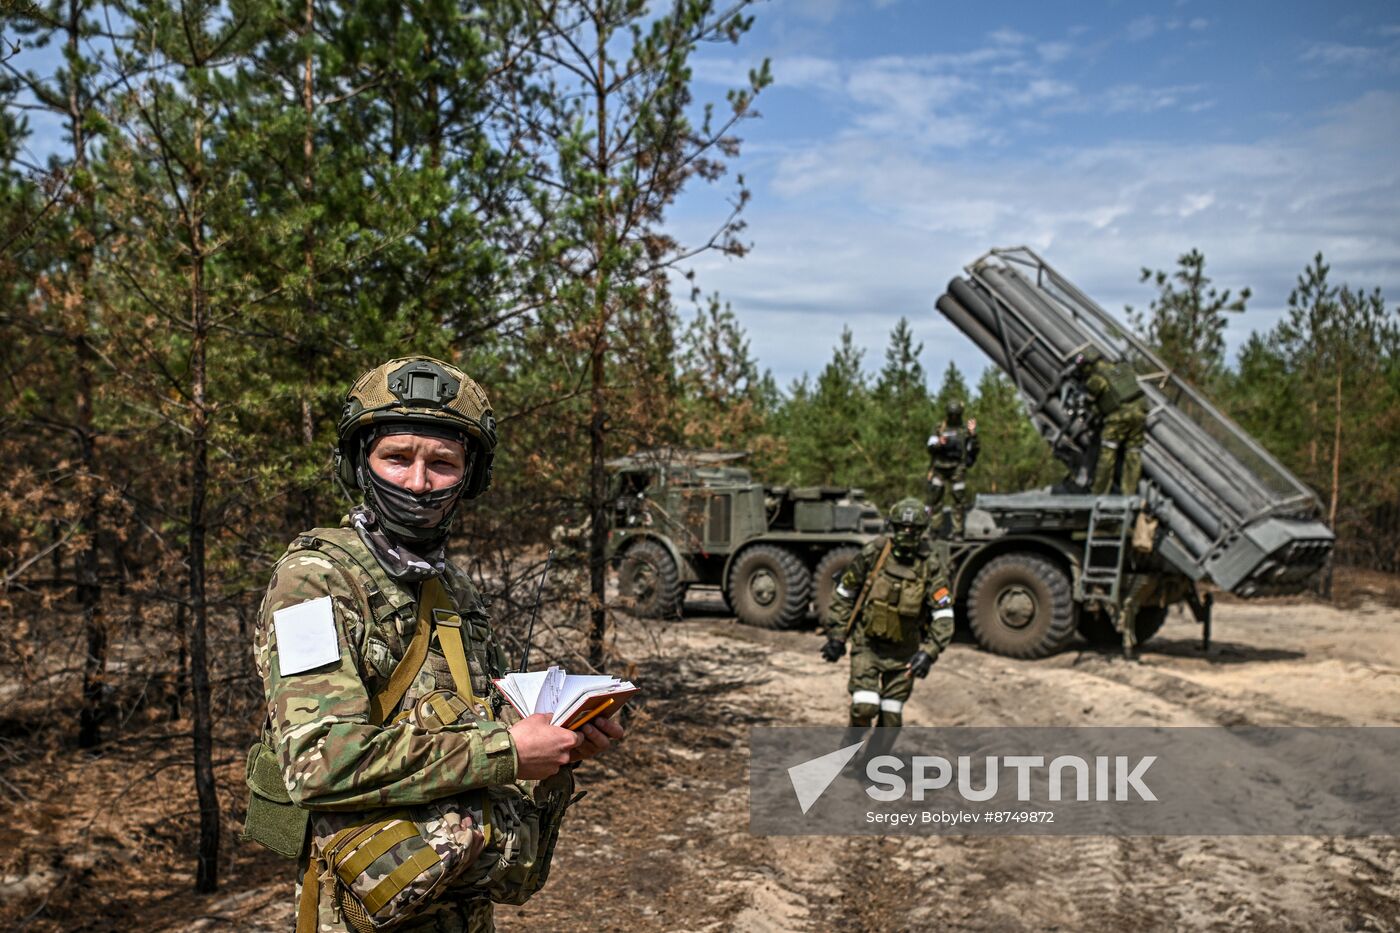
point(1125, 430)
point(879, 685)
point(942, 477)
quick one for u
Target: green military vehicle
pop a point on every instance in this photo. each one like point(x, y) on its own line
point(1212, 508)
point(685, 518)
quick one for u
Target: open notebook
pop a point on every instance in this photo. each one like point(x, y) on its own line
point(573, 699)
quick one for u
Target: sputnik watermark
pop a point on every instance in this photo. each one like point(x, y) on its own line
point(1123, 781)
point(1126, 780)
point(1104, 779)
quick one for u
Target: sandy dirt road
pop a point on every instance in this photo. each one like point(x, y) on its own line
point(1271, 664)
point(661, 842)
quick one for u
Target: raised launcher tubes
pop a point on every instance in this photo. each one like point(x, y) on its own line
point(1234, 515)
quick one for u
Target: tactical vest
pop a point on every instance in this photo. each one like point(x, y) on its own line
point(1119, 387)
point(497, 842)
point(894, 608)
point(393, 623)
point(946, 447)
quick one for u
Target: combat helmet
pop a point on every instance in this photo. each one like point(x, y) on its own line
point(908, 521)
point(1086, 356)
point(955, 411)
point(422, 390)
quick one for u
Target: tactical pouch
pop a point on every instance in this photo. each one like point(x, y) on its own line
point(526, 818)
point(384, 871)
point(273, 820)
point(882, 614)
point(497, 842)
point(896, 600)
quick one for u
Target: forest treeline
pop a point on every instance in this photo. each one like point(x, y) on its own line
point(1320, 390)
point(213, 215)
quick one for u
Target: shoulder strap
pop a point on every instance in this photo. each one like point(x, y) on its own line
point(383, 703)
point(452, 642)
point(869, 582)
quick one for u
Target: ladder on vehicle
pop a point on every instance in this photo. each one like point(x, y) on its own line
point(1101, 575)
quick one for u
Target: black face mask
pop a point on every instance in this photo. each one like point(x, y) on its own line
point(418, 518)
point(906, 539)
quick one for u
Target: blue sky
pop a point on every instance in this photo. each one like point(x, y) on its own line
point(902, 139)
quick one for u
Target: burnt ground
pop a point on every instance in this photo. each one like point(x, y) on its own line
point(661, 841)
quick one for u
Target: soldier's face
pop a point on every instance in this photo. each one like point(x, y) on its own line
point(418, 464)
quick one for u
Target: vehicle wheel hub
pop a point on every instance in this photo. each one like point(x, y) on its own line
point(1016, 606)
point(763, 586)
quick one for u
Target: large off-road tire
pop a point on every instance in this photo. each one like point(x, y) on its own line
point(769, 587)
point(1098, 629)
point(828, 575)
point(1020, 606)
point(649, 576)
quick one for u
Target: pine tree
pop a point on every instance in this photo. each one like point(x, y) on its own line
point(900, 415)
point(621, 140)
point(823, 422)
point(1187, 319)
point(1339, 345)
point(721, 401)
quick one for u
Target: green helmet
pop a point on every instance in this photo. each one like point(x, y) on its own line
point(908, 520)
point(955, 412)
point(1087, 356)
point(419, 389)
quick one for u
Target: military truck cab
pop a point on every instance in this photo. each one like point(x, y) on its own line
point(685, 518)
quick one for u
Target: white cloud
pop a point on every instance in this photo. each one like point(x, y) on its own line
point(1006, 36)
point(1337, 54)
point(862, 230)
point(1135, 98)
point(1144, 27)
point(1195, 203)
point(807, 71)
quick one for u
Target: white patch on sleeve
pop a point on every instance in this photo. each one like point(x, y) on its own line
point(305, 636)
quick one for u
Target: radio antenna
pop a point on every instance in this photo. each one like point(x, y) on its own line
point(535, 613)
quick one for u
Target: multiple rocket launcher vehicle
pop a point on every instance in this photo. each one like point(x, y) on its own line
point(1232, 515)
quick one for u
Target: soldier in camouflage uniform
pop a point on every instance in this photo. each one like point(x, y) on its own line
point(417, 436)
point(905, 617)
point(1121, 409)
point(952, 450)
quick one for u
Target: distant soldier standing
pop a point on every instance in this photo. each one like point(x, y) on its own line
point(952, 449)
point(1118, 403)
point(894, 605)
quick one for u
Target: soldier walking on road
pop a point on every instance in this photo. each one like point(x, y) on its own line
point(894, 606)
point(952, 450)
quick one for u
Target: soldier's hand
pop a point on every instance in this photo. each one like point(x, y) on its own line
point(833, 649)
point(598, 736)
point(542, 748)
point(920, 663)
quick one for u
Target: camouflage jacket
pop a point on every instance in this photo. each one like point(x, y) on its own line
point(927, 616)
point(331, 755)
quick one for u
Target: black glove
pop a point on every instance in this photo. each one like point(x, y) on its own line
point(833, 649)
point(920, 663)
